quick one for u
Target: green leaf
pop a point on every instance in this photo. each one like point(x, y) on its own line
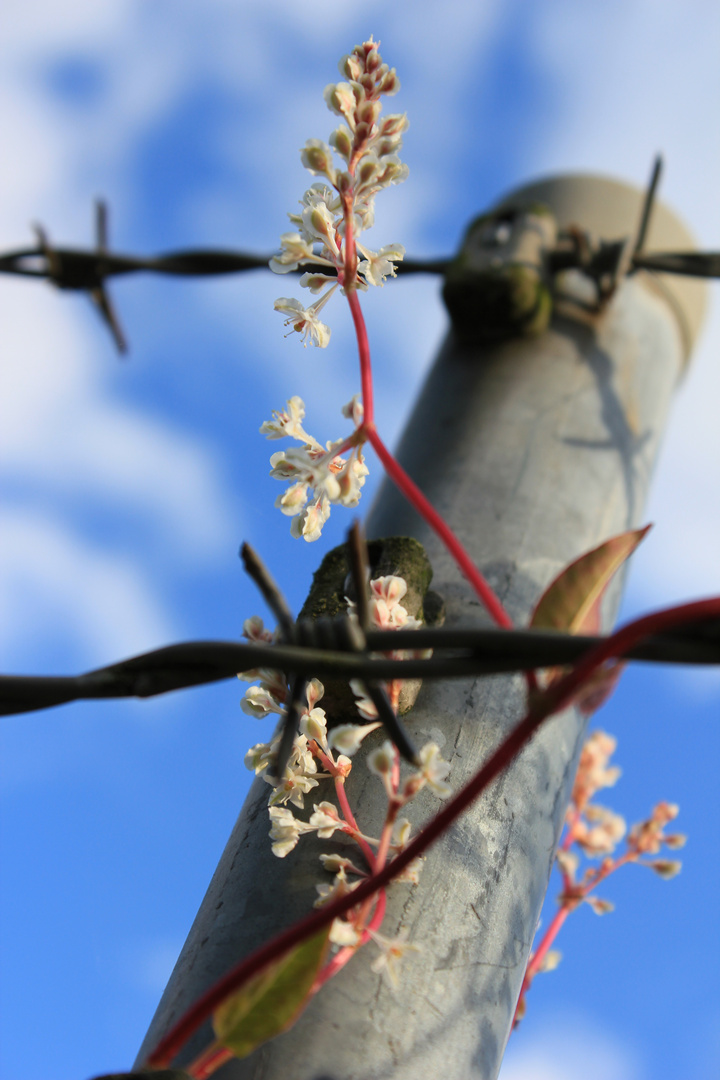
point(572, 601)
point(270, 1002)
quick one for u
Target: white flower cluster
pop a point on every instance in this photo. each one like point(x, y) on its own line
point(314, 750)
point(368, 147)
point(319, 476)
point(301, 772)
point(313, 742)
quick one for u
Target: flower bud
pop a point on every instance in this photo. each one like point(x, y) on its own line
point(340, 98)
point(317, 158)
point(369, 111)
point(394, 124)
point(348, 737)
point(344, 182)
point(381, 761)
point(390, 84)
point(293, 500)
point(367, 171)
point(666, 868)
point(394, 172)
point(350, 67)
point(341, 140)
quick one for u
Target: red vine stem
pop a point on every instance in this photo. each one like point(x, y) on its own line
point(557, 696)
point(366, 380)
point(350, 818)
point(416, 498)
point(407, 486)
point(209, 1061)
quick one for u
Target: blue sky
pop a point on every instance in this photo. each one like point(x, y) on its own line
point(128, 487)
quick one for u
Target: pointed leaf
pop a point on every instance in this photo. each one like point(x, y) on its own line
point(572, 601)
point(270, 1002)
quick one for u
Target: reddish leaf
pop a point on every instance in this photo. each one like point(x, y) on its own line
point(598, 688)
point(572, 601)
point(271, 1001)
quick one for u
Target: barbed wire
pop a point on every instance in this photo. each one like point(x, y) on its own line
point(328, 647)
point(88, 269)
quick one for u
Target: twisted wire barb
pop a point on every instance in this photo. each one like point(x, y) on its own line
point(458, 653)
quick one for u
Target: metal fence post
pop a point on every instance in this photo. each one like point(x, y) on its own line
point(534, 450)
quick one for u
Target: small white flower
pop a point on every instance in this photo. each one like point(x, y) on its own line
point(314, 692)
point(288, 422)
point(292, 788)
point(600, 907)
point(411, 874)
point(316, 157)
point(258, 702)
point(313, 724)
point(341, 141)
point(326, 820)
point(285, 831)
point(293, 499)
point(318, 221)
point(401, 832)
point(551, 960)
point(354, 410)
point(391, 952)
point(343, 933)
point(316, 282)
point(350, 479)
point(340, 98)
point(254, 630)
point(295, 252)
point(304, 321)
point(334, 863)
point(261, 756)
point(363, 705)
point(666, 868)
point(568, 861)
point(381, 761)
point(348, 737)
point(434, 770)
point(309, 522)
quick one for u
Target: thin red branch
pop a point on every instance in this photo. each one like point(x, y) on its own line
point(366, 380)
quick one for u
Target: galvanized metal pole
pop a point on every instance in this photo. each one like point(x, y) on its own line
point(534, 450)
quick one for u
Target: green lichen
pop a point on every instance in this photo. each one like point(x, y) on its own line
point(491, 291)
point(400, 555)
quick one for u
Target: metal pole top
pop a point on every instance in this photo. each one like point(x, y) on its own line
point(609, 210)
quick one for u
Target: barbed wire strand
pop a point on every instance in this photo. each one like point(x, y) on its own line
point(87, 270)
point(471, 652)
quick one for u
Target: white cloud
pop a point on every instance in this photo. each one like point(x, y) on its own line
point(571, 1047)
point(63, 434)
point(58, 591)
